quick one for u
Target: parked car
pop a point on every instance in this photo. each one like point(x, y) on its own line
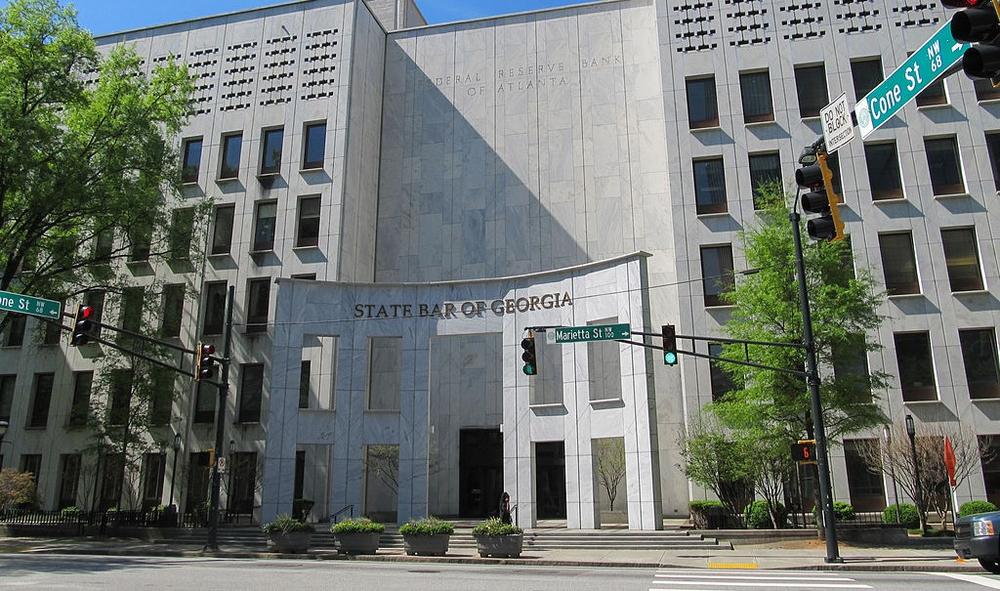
point(978, 536)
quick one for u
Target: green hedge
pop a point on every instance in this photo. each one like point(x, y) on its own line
point(704, 506)
point(908, 515)
point(843, 511)
point(758, 517)
point(430, 526)
point(285, 524)
point(495, 527)
point(362, 525)
point(974, 507)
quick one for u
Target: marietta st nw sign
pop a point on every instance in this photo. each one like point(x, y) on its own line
point(22, 304)
point(919, 71)
point(597, 332)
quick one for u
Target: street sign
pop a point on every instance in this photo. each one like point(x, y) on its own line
point(22, 304)
point(222, 463)
point(838, 129)
point(919, 71)
point(598, 332)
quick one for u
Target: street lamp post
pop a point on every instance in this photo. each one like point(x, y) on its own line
point(173, 472)
point(911, 431)
point(892, 471)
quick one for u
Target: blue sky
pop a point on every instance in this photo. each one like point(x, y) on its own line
point(106, 16)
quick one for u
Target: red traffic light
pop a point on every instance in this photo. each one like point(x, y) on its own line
point(86, 312)
point(207, 349)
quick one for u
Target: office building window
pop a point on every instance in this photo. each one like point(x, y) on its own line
point(7, 384)
point(755, 90)
point(14, 334)
point(32, 463)
point(810, 87)
point(717, 273)
point(181, 227)
point(307, 233)
point(104, 246)
point(173, 310)
point(192, 160)
point(51, 333)
point(962, 257)
point(270, 158)
point(883, 171)
point(720, 380)
point(263, 234)
point(222, 229)
point(204, 406)
point(299, 480)
point(140, 238)
point(130, 318)
point(83, 383)
point(385, 366)
point(242, 497)
point(993, 149)
point(899, 264)
point(258, 301)
point(703, 105)
point(850, 364)
point(985, 91)
point(251, 392)
point(765, 175)
point(232, 145)
point(864, 485)
point(604, 366)
point(41, 400)
point(916, 366)
point(215, 307)
point(315, 146)
point(982, 369)
point(933, 95)
point(121, 396)
point(153, 468)
point(69, 479)
point(304, 276)
point(709, 186)
point(944, 165)
point(304, 383)
point(161, 400)
point(866, 74)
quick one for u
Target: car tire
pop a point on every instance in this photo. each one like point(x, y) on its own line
point(991, 565)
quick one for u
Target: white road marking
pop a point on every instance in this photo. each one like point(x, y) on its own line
point(770, 573)
point(771, 585)
point(764, 576)
point(974, 579)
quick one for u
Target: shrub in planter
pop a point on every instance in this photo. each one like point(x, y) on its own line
point(706, 514)
point(843, 511)
point(758, 517)
point(427, 537)
point(71, 513)
point(496, 538)
point(357, 536)
point(974, 507)
point(288, 535)
point(908, 516)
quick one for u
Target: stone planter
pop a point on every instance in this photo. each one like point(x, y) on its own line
point(357, 543)
point(291, 543)
point(435, 545)
point(500, 546)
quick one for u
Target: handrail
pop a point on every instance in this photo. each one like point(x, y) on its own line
point(336, 516)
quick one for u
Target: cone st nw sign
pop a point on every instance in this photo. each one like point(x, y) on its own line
point(22, 304)
point(597, 332)
point(912, 77)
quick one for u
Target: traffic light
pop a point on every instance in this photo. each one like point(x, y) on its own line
point(821, 199)
point(669, 344)
point(83, 324)
point(204, 363)
point(528, 356)
point(978, 23)
point(804, 451)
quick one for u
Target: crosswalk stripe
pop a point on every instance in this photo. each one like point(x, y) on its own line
point(760, 577)
point(810, 585)
point(974, 579)
point(769, 573)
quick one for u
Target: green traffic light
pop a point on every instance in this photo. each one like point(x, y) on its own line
point(670, 358)
point(529, 369)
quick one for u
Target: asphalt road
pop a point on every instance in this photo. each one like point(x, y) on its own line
point(114, 573)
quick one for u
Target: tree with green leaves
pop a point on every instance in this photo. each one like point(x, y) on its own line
point(719, 460)
point(87, 163)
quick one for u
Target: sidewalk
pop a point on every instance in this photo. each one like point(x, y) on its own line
point(799, 554)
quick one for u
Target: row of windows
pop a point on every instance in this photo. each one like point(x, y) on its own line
point(265, 223)
point(811, 92)
point(272, 144)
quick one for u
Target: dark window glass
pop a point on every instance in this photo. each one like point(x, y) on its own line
point(934, 94)
point(899, 263)
point(271, 155)
point(41, 400)
point(6, 395)
point(916, 366)
point(173, 310)
point(258, 298)
point(944, 166)
point(765, 175)
point(111, 480)
point(721, 382)
point(850, 365)
point(15, 330)
point(69, 479)
point(305, 276)
point(865, 486)
point(51, 333)
point(717, 273)
point(263, 236)
point(755, 88)
point(989, 447)
point(703, 105)
point(198, 480)
point(121, 397)
point(215, 307)
point(962, 257)
point(104, 246)
point(308, 230)
point(710, 186)
point(161, 397)
point(985, 91)
point(192, 160)
point(181, 226)
point(153, 468)
point(131, 309)
point(315, 148)
point(83, 382)
point(883, 171)
point(867, 74)
point(304, 384)
point(251, 392)
point(140, 239)
point(32, 463)
point(300, 474)
point(231, 146)
point(810, 86)
point(204, 408)
point(993, 145)
point(222, 231)
point(982, 370)
point(244, 482)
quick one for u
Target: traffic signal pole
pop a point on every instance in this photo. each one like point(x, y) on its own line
point(812, 379)
point(212, 543)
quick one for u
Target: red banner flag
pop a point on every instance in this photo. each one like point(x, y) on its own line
point(949, 461)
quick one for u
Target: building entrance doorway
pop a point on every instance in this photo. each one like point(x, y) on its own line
point(550, 479)
point(480, 472)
